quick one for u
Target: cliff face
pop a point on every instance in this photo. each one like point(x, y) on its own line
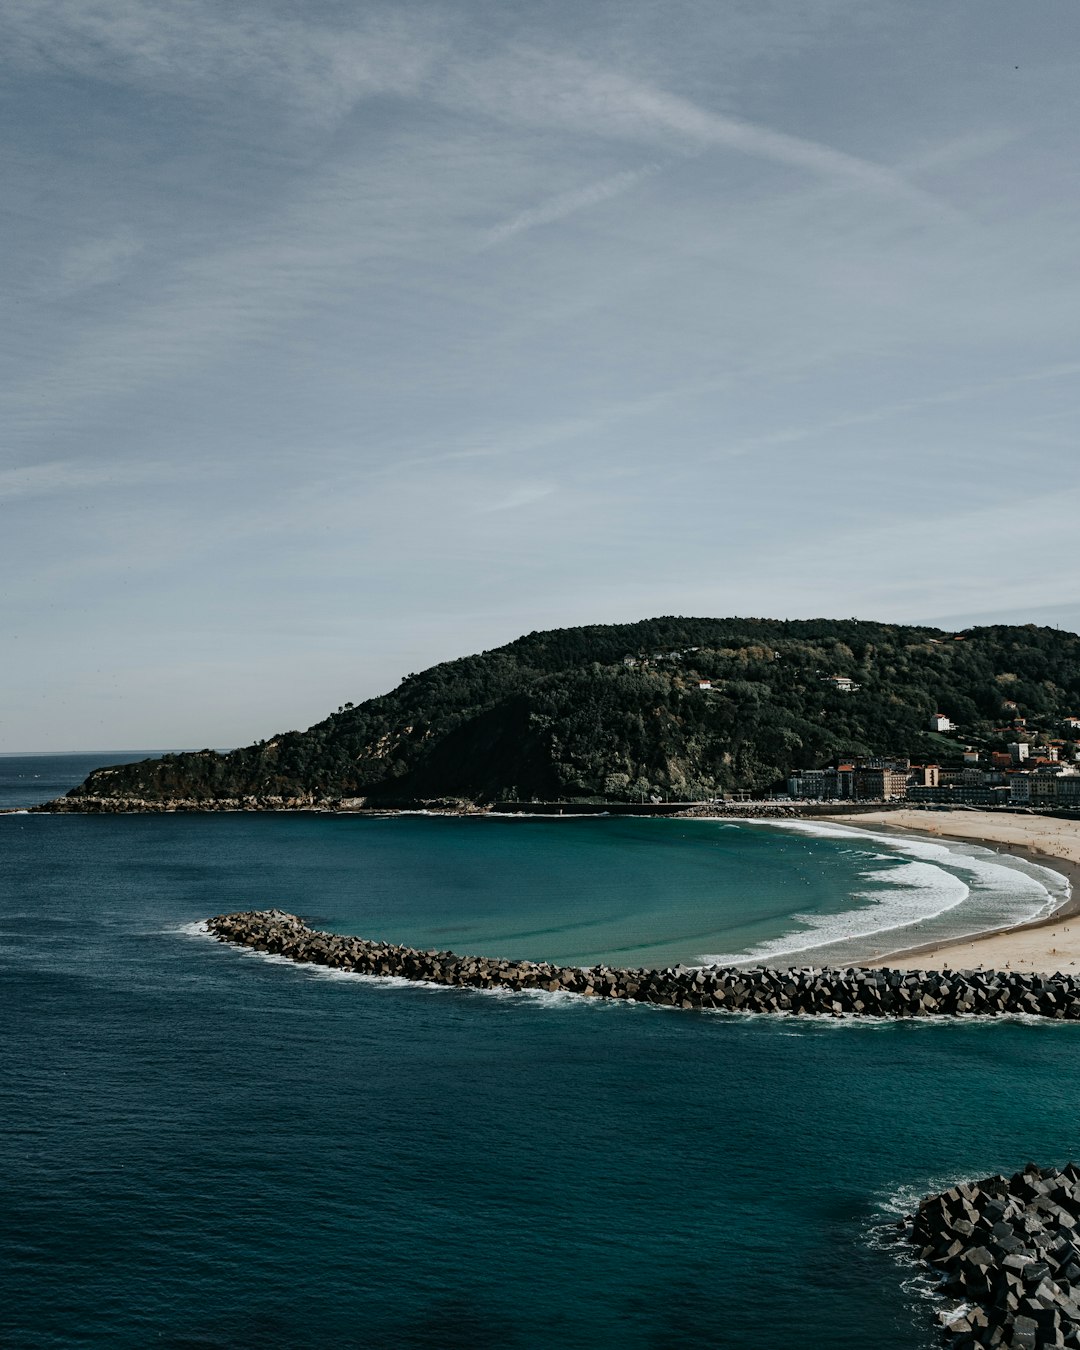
point(563, 714)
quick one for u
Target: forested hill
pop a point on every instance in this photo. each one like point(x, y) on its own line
point(562, 714)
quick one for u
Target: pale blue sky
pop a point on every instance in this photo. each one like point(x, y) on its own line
point(346, 338)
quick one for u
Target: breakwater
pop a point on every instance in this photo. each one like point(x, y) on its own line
point(1008, 1255)
point(806, 990)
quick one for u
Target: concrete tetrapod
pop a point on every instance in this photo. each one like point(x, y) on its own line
point(805, 990)
point(1007, 1251)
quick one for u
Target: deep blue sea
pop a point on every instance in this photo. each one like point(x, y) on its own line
point(28, 779)
point(203, 1147)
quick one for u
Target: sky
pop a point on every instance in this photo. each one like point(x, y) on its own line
point(346, 338)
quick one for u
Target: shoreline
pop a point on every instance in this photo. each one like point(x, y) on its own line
point(1045, 944)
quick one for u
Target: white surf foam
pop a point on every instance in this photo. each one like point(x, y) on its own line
point(973, 856)
point(909, 893)
point(547, 998)
point(992, 891)
point(196, 929)
point(540, 815)
point(906, 1199)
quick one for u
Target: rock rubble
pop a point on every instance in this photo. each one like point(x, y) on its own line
point(110, 806)
point(1008, 1255)
point(830, 992)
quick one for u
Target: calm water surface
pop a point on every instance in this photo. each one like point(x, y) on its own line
point(210, 1148)
point(28, 779)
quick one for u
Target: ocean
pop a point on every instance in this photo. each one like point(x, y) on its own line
point(205, 1147)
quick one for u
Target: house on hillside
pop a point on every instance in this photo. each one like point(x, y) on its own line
point(843, 684)
point(939, 722)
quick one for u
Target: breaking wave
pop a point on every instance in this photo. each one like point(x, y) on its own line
point(933, 892)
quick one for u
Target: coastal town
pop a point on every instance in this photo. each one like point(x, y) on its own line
point(1033, 768)
point(1025, 761)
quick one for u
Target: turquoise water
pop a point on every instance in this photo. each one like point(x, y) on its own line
point(658, 892)
point(209, 1148)
point(626, 890)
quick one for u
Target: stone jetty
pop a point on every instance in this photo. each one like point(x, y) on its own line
point(1008, 1255)
point(829, 992)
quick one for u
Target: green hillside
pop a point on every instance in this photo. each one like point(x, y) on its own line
point(560, 714)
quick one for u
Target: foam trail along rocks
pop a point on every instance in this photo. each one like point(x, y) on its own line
point(1007, 1256)
point(806, 990)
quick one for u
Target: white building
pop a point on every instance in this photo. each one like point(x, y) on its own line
point(939, 722)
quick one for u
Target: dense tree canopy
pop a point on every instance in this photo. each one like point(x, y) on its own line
point(562, 713)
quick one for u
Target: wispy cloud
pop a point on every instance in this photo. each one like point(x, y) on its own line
point(523, 495)
point(97, 262)
point(291, 283)
point(70, 475)
point(325, 236)
point(565, 204)
point(194, 47)
point(209, 50)
point(335, 224)
point(889, 411)
point(568, 92)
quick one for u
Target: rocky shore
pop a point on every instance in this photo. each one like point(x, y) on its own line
point(78, 803)
point(1008, 1255)
point(830, 992)
point(110, 806)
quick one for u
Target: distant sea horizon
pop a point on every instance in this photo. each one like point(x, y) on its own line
point(146, 754)
point(29, 779)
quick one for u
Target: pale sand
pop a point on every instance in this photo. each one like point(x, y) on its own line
point(1044, 945)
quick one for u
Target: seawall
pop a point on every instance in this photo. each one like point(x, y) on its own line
point(807, 990)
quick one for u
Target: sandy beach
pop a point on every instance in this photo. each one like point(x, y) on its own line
point(1045, 945)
